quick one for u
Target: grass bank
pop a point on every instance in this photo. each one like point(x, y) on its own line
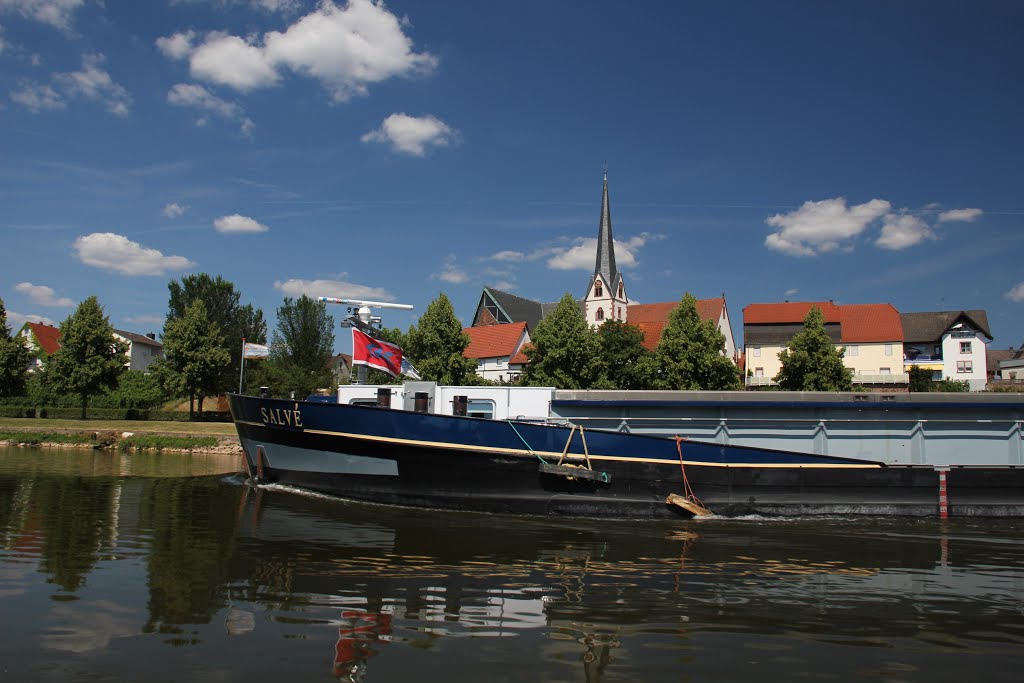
point(124, 435)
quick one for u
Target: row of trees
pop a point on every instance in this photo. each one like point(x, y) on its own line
point(206, 322)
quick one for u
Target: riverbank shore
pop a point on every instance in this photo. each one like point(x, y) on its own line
point(209, 437)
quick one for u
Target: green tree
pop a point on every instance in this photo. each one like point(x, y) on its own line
point(14, 359)
point(135, 389)
point(90, 358)
point(565, 352)
point(435, 346)
point(921, 380)
point(953, 385)
point(689, 355)
point(194, 356)
point(811, 362)
point(623, 353)
point(223, 308)
point(302, 345)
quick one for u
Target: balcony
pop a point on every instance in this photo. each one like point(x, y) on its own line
point(890, 378)
point(864, 378)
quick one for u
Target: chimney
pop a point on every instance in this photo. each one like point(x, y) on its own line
point(151, 335)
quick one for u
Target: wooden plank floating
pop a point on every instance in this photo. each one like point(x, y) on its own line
point(688, 504)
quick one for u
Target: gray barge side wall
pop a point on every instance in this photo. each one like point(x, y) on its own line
point(898, 429)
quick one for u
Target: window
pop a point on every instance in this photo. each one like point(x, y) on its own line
point(597, 288)
point(757, 352)
point(852, 350)
point(363, 402)
point(620, 313)
point(965, 366)
point(501, 362)
point(965, 347)
point(620, 290)
point(600, 314)
point(888, 349)
point(758, 372)
point(480, 407)
point(885, 371)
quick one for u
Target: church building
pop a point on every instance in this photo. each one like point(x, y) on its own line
point(605, 299)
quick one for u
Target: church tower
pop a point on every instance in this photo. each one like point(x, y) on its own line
point(606, 294)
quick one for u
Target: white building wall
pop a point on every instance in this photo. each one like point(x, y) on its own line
point(962, 364)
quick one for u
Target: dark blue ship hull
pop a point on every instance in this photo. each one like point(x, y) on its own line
point(462, 463)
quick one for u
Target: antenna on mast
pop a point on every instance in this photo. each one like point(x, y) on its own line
point(363, 318)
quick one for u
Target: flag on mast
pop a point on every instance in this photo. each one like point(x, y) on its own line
point(375, 353)
point(250, 350)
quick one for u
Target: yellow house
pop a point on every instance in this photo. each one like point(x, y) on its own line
point(870, 334)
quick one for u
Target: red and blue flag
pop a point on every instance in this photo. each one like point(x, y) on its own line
point(375, 353)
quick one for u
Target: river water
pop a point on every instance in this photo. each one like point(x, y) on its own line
point(168, 567)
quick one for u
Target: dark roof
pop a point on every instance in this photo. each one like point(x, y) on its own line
point(516, 308)
point(136, 338)
point(931, 325)
point(780, 335)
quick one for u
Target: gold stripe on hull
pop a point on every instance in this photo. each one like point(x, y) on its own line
point(571, 456)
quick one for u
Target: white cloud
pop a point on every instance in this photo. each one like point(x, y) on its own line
point(966, 215)
point(117, 253)
point(94, 83)
point(1017, 293)
point(42, 295)
point(583, 255)
point(791, 292)
point(411, 134)
point(198, 97)
point(345, 48)
point(231, 61)
point(177, 46)
point(507, 256)
point(56, 13)
point(900, 231)
point(451, 272)
point(174, 209)
point(236, 223)
point(333, 288)
point(819, 227)
point(37, 97)
point(16, 320)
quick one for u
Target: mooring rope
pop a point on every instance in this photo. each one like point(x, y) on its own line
point(528, 447)
point(686, 482)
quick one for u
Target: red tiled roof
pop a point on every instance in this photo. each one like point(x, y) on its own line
point(493, 341)
point(858, 322)
point(47, 337)
point(788, 312)
point(651, 318)
point(870, 323)
point(520, 357)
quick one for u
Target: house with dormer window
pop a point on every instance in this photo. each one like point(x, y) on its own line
point(950, 344)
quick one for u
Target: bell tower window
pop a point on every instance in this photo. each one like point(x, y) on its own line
point(597, 288)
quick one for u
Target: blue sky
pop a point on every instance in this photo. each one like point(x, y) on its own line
point(863, 152)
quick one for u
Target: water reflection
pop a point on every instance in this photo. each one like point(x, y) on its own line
point(121, 571)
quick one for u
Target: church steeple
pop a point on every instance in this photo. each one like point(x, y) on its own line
point(605, 266)
point(606, 294)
